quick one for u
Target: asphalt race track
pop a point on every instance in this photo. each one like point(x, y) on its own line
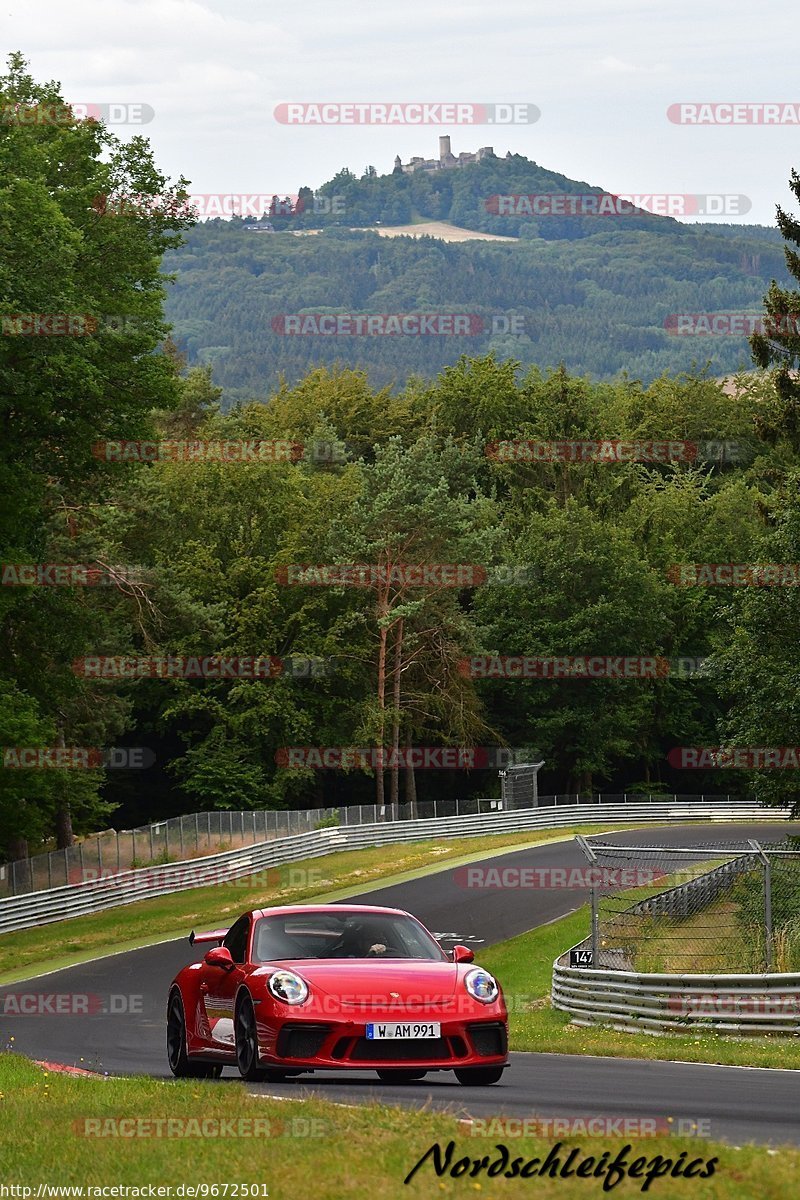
point(124, 1029)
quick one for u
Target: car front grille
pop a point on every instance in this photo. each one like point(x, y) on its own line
point(301, 1040)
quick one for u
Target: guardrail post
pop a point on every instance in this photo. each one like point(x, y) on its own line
point(592, 857)
point(769, 948)
point(768, 911)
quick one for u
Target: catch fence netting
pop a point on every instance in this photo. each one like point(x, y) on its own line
point(707, 909)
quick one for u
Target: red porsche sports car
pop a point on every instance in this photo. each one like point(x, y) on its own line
point(334, 987)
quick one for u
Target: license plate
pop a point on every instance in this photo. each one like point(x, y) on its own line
point(400, 1029)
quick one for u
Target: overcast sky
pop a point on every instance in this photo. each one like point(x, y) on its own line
point(602, 72)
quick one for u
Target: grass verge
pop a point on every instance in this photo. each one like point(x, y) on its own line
point(524, 966)
point(713, 940)
point(310, 1147)
point(332, 877)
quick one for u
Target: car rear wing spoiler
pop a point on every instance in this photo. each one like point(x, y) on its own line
point(216, 936)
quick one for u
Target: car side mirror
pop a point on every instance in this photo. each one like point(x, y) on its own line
point(220, 956)
point(462, 954)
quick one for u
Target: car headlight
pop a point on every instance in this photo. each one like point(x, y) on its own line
point(288, 987)
point(481, 985)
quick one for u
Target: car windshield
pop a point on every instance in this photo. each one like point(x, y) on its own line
point(343, 935)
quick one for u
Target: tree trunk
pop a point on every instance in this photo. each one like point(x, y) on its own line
point(18, 848)
point(319, 790)
point(394, 791)
point(63, 819)
point(379, 793)
point(64, 835)
point(411, 783)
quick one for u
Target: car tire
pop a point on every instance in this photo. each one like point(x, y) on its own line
point(479, 1076)
point(180, 1064)
point(246, 1037)
point(400, 1075)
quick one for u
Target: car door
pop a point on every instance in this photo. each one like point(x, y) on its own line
point(219, 987)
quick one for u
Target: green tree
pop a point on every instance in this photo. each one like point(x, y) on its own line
point(779, 344)
point(415, 505)
point(84, 223)
point(759, 665)
point(593, 596)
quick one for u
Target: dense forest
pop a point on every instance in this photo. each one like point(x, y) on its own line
point(197, 554)
point(600, 300)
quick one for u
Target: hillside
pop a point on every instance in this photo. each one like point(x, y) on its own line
point(467, 196)
point(595, 293)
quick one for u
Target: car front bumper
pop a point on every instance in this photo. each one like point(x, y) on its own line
point(343, 1044)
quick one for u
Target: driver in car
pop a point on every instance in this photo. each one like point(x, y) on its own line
point(357, 942)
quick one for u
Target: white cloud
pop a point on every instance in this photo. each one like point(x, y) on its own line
point(602, 75)
point(616, 66)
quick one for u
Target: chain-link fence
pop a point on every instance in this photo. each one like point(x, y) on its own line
point(176, 840)
point(708, 909)
point(198, 834)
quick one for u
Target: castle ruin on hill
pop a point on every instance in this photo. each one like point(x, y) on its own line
point(446, 161)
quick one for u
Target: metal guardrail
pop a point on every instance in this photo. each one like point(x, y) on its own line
point(193, 834)
point(126, 887)
point(663, 1003)
point(703, 890)
point(610, 993)
point(172, 840)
